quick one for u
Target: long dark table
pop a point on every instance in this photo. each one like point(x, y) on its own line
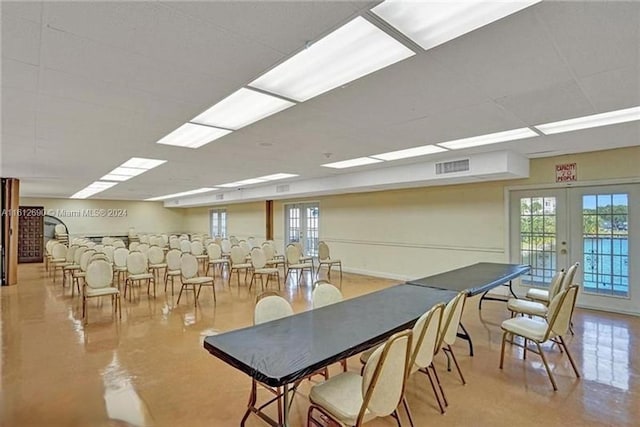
point(475, 279)
point(284, 351)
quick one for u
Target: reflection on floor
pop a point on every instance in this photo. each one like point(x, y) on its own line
point(150, 367)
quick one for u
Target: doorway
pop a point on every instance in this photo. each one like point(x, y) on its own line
point(301, 221)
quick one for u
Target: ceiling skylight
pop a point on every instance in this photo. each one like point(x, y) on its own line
point(595, 120)
point(184, 193)
point(352, 51)
point(492, 138)
point(132, 167)
point(241, 108)
point(360, 161)
point(410, 152)
point(192, 135)
point(92, 189)
point(431, 23)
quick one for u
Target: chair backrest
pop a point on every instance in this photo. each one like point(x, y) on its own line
point(384, 376)
point(555, 285)
point(188, 265)
point(118, 244)
point(425, 338)
point(173, 259)
point(451, 319)
point(197, 248)
point(164, 240)
point(570, 275)
point(237, 255)
point(269, 251)
point(71, 252)
point(99, 247)
point(59, 251)
point(156, 255)
point(258, 259)
point(174, 243)
point(99, 255)
point(78, 253)
point(293, 254)
point(108, 251)
point(133, 246)
point(270, 306)
point(252, 242)
point(85, 258)
point(245, 247)
point(214, 251)
point(120, 257)
point(298, 244)
point(560, 311)
point(144, 238)
point(225, 244)
point(185, 246)
point(144, 248)
point(183, 237)
point(60, 229)
point(323, 251)
point(136, 263)
point(234, 240)
point(324, 293)
point(99, 274)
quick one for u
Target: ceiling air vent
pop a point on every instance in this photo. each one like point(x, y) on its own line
point(219, 196)
point(452, 167)
point(282, 188)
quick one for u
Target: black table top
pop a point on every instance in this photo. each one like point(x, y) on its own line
point(475, 279)
point(285, 350)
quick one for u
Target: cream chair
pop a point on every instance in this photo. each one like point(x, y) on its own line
point(449, 329)
point(259, 268)
point(138, 271)
point(59, 255)
point(225, 245)
point(272, 259)
point(156, 261)
point(303, 258)
point(324, 293)
point(540, 331)
point(349, 399)
point(246, 248)
point(294, 262)
point(543, 295)
point(108, 251)
point(324, 258)
point(197, 249)
point(214, 252)
point(117, 244)
point(190, 278)
point(67, 271)
point(238, 263)
point(120, 264)
point(185, 246)
point(98, 283)
point(133, 246)
point(173, 258)
point(535, 308)
point(81, 273)
point(269, 306)
point(174, 243)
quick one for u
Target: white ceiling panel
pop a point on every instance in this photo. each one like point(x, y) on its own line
point(20, 39)
point(31, 10)
point(18, 114)
point(613, 90)
point(594, 36)
point(564, 100)
point(19, 75)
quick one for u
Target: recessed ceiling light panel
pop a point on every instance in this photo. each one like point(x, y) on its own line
point(595, 120)
point(360, 161)
point(409, 152)
point(184, 193)
point(492, 138)
point(191, 135)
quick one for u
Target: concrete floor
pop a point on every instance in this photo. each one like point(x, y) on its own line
point(150, 367)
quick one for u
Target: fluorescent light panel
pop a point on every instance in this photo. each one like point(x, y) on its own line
point(132, 167)
point(595, 120)
point(241, 108)
point(184, 193)
point(492, 138)
point(431, 23)
point(259, 180)
point(277, 176)
point(352, 51)
point(409, 152)
point(360, 161)
point(192, 135)
point(93, 188)
point(142, 163)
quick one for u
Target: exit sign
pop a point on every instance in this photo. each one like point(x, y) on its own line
point(567, 172)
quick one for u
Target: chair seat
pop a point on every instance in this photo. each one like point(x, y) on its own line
point(275, 262)
point(174, 273)
point(330, 261)
point(538, 294)
point(218, 261)
point(245, 265)
point(90, 292)
point(140, 276)
point(77, 273)
point(60, 261)
point(527, 307)
point(341, 396)
point(202, 256)
point(162, 265)
point(305, 265)
point(197, 280)
point(116, 268)
point(364, 357)
point(72, 267)
point(529, 328)
point(266, 271)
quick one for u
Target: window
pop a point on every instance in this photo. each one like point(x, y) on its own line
point(218, 222)
point(301, 225)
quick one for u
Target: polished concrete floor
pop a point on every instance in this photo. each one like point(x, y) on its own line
point(150, 368)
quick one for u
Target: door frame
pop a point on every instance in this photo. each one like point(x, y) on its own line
point(300, 204)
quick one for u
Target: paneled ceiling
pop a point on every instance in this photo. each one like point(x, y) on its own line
point(88, 85)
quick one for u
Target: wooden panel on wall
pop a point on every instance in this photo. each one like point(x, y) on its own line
point(30, 234)
point(10, 203)
point(269, 219)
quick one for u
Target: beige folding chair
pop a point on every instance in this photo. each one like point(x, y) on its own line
point(324, 293)
point(536, 308)
point(238, 263)
point(295, 263)
point(81, 273)
point(138, 271)
point(98, 283)
point(197, 249)
point(543, 295)
point(259, 268)
point(540, 331)
point(214, 252)
point(190, 278)
point(449, 330)
point(120, 264)
point(174, 258)
point(185, 246)
point(59, 258)
point(156, 261)
point(349, 399)
point(324, 258)
point(272, 259)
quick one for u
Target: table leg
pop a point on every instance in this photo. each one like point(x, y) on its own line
point(285, 404)
point(490, 298)
point(465, 336)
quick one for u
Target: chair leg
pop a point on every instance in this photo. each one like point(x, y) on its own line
point(453, 356)
point(407, 410)
point(504, 339)
point(546, 366)
point(435, 375)
point(433, 387)
point(179, 294)
point(573, 364)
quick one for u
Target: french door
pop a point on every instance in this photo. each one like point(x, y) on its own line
point(599, 227)
point(301, 225)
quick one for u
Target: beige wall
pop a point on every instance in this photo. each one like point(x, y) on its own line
point(243, 220)
point(143, 216)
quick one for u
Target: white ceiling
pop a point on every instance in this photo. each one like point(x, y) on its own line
point(86, 86)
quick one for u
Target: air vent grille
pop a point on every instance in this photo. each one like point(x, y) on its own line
point(282, 188)
point(219, 196)
point(452, 167)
